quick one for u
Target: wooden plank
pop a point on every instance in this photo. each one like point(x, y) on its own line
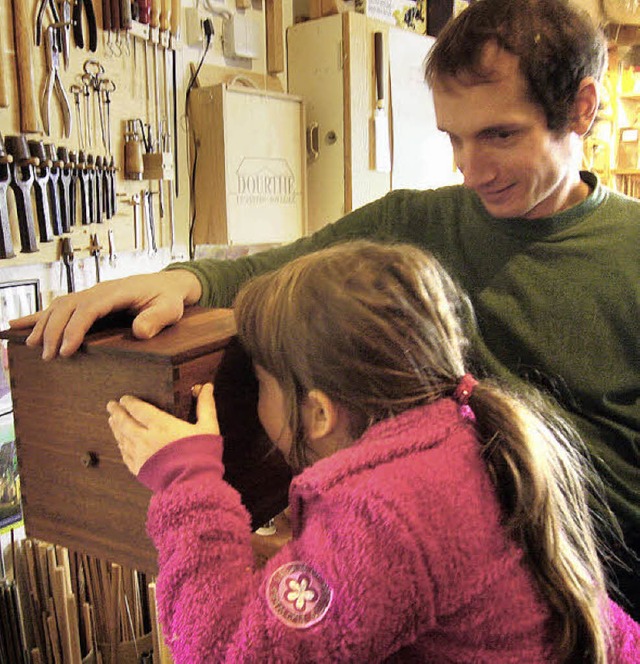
point(274, 21)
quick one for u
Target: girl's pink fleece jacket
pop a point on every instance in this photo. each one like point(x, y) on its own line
point(397, 555)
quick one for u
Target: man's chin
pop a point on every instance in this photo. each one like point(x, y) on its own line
point(503, 211)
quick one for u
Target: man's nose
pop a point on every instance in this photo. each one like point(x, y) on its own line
point(475, 166)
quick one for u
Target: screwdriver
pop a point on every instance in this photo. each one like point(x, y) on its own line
point(144, 11)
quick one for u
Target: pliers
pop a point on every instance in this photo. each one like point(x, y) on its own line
point(91, 21)
point(53, 81)
point(61, 12)
point(40, 17)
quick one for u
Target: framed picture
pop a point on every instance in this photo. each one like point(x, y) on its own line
point(17, 298)
point(10, 508)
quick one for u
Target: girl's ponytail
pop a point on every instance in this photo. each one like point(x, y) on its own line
point(542, 479)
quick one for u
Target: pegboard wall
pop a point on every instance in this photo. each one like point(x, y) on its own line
point(104, 119)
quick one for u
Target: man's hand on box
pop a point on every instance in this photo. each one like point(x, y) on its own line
point(157, 300)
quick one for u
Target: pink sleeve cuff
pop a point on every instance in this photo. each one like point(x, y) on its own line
point(190, 459)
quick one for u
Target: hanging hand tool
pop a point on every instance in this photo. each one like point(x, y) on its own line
point(95, 184)
point(53, 81)
point(382, 152)
point(42, 9)
point(112, 185)
point(75, 181)
point(165, 25)
point(4, 99)
point(115, 21)
point(76, 91)
point(92, 77)
point(64, 11)
point(144, 16)
point(25, 68)
point(144, 11)
point(133, 163)
point(107, 87)
point(176, 9)
point(100, 191)
point(94, 250)
point(107, 21)
point(106, 189)
point(86, 93)
point(135, 202)
point(86, 190)
point(6, 243)
point(91, 23)
point(67, 199)
point(176, 17)
point(66, 254)
point(113, 256)
point(21, 183)
point(55, 195)
point(41, 189)
point(149, 222)
point(125, 19)
point(101, 114)
point(154, 24)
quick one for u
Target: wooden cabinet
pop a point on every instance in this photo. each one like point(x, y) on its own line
point(76, 490)
point(331, 66)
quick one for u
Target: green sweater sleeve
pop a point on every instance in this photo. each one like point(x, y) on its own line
point(221, 279)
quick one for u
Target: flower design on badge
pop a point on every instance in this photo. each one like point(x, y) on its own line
point(300, 592)
point(297, 595)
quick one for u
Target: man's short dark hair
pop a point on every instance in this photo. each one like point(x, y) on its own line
point(557, 45)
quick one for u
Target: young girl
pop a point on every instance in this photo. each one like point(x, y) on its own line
point(435, 518)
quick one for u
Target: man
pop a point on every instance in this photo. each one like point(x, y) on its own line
point(547, 255)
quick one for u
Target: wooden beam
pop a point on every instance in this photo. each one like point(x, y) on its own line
point(275, 36)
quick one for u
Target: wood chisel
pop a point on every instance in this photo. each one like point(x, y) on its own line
point(380, 119)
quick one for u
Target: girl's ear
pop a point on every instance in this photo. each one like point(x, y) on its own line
point(321, 415)
point(586, 106)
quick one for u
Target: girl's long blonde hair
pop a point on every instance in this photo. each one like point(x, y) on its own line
point(383, 328)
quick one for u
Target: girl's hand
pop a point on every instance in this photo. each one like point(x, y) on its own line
point(141, 429)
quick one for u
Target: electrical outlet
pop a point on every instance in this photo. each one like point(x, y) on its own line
point(241, 37)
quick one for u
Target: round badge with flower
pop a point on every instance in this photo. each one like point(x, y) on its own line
point(297, 595)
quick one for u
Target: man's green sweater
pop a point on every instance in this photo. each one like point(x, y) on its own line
point(556, 299)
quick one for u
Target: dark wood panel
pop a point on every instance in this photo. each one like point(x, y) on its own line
point(99, 510)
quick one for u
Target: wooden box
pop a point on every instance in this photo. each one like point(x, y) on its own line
point(76, 489)
point(250, 173)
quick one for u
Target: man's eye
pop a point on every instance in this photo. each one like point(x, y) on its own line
point(500, 134)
